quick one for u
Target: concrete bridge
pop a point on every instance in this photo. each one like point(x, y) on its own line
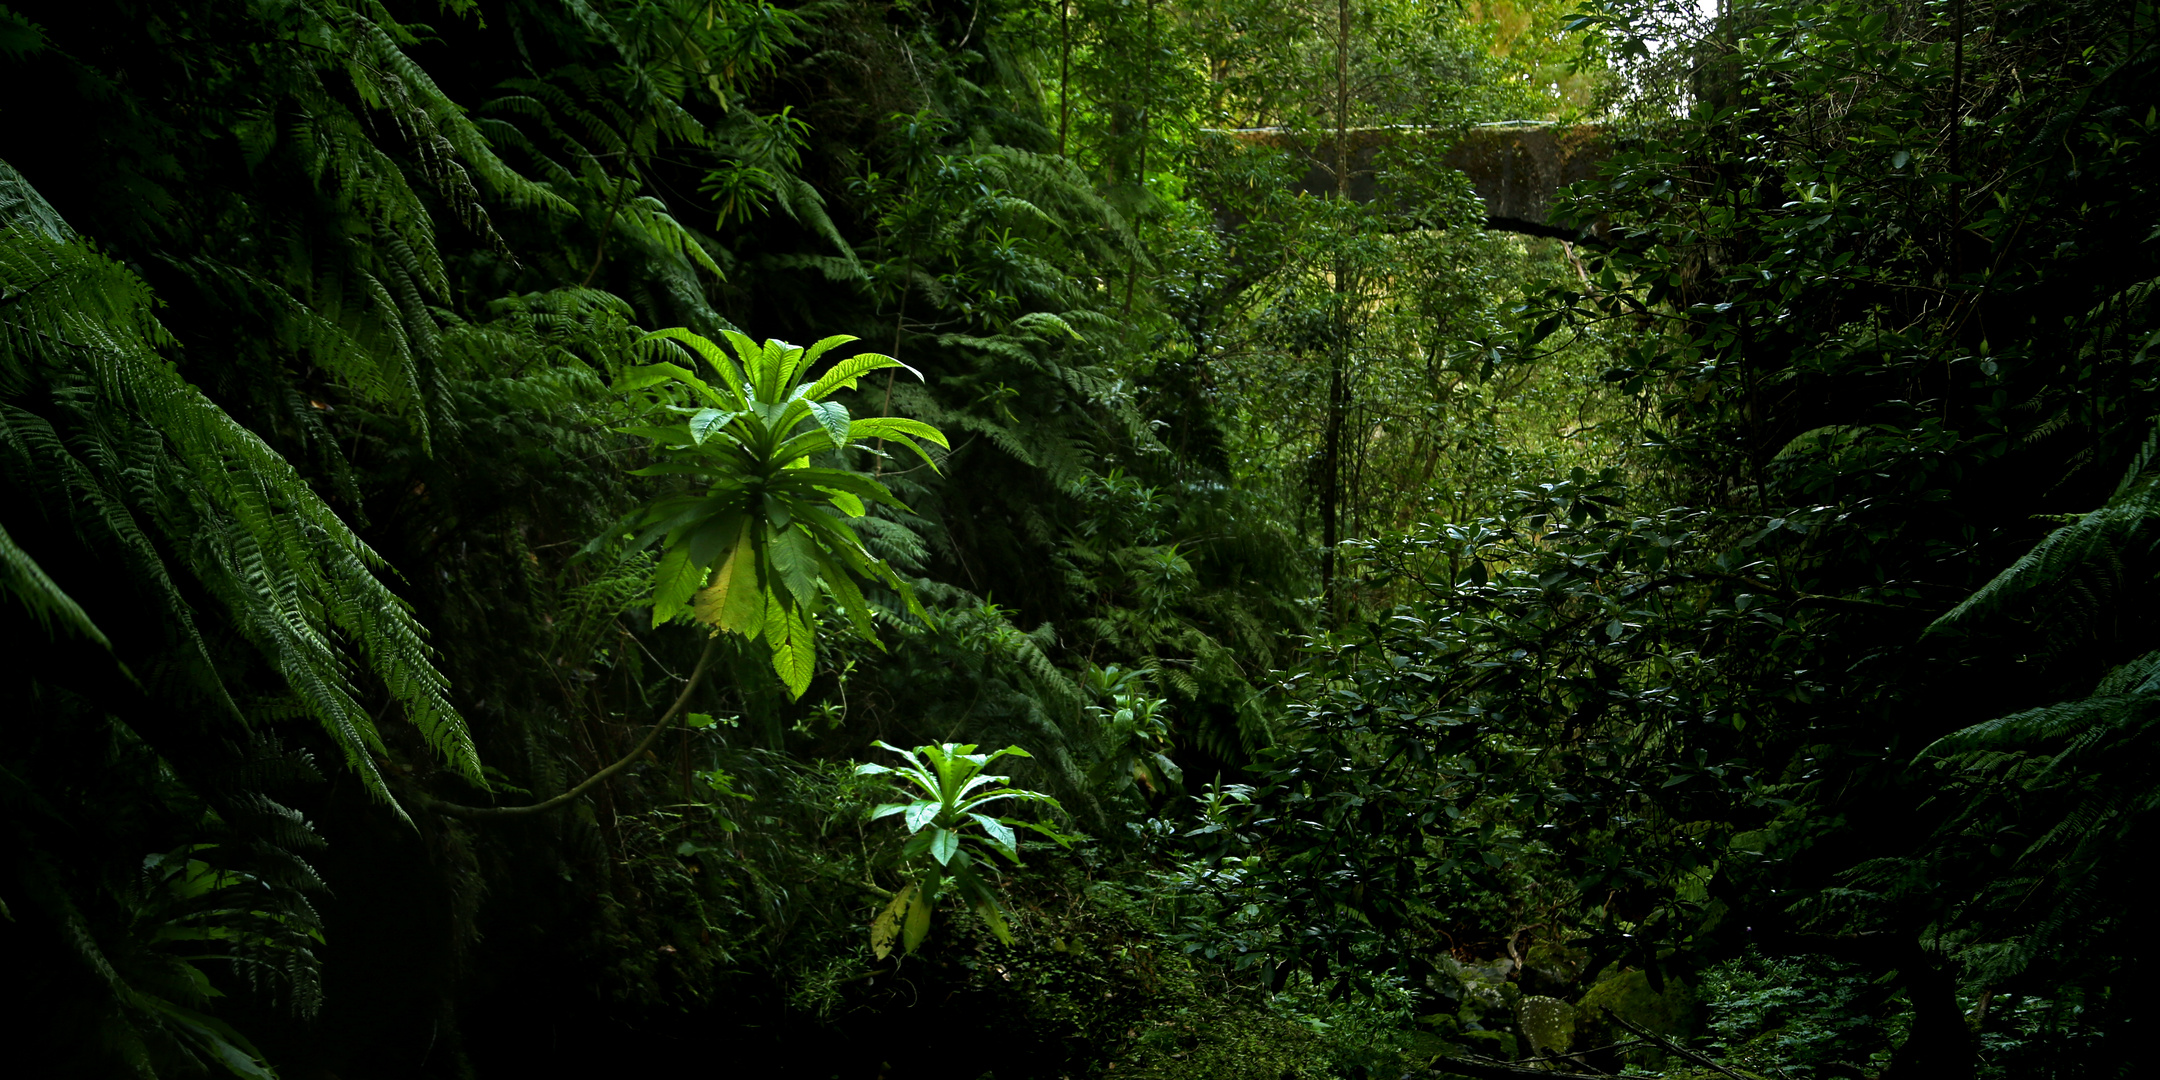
point(1516, 169)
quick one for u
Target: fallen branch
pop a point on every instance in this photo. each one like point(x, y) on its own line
point(1675, 1048)
point(1483, 1069)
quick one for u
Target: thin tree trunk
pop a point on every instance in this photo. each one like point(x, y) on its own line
point(1331, 450)
point(1957, 124)
point(1064, 72)
point(1331, 475)
point(1147, 116)
point(1342, 99)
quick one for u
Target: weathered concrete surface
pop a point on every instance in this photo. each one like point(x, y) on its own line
point(1515, 169)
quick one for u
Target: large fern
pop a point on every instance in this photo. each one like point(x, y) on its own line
point(113, 442)
point(2070, 780)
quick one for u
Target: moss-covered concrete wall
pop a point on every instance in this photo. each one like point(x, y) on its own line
point(1515, 169)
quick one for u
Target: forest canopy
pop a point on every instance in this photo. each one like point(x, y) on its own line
point(1079, 538)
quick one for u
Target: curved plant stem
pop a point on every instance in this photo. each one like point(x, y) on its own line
point(697, 676)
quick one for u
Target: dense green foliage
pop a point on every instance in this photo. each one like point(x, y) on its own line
point(1701, 634)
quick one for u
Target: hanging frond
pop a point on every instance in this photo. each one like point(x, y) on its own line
point(27, 580)
point(2064, 552)
point(218, 501)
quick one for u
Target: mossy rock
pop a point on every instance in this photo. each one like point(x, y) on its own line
point(1220, 1039)
point(1548, 1022)
point(1426, 1045)
point(1499, 1045)
point(1627, 994)
point(1552, 969)
point(1480, 987)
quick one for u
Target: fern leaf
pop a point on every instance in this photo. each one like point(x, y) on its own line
point(27, 580)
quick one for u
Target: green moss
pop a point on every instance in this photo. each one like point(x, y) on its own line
point(1628, 995)
point(1210, 1040)
point(1548, 1022)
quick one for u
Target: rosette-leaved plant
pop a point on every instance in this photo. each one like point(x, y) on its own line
point(760, 541)
point(947, 799)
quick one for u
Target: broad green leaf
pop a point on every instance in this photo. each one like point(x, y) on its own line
point(733, 603)
point(943, 845)
point(912, 446)
point(886, 927)
point(668, 436)
point(796, 451)
point(675, 582)
point(848, 504)
point(731, 380)
point(862, 487)
point(794, 361)
point(1001, 834)
point(786, 417)
point(824, 345)
point(849, 597)
point(885, 427)
point(223, 1042)
point(833, 417)
point(712, 539)
point(1062, 839)
point(982, 780)
point(795, 654)
point(843, 375)
point(922, 780)
point(917, 927)
point(794, 562)
point(758, 369)
point(1000, 796)
point(909, 755)
point(706, 421)
point(645, 375)
point(988, 910)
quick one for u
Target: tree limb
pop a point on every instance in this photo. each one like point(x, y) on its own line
point(1587, 237)
point(1481, 1069)
point(697, 676)
point(1675, 1048)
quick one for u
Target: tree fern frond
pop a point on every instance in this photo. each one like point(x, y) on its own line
point(894, 541)
point(833, 267)
point(2083, 822)
point(27, 580)
point(2138, 677)
point(2063, 551)
point(647, 219)
point(21, 206)
point(803, 203)
point(35, 451)
point(2139, 462)
point(280, 558)
point(2023, 729)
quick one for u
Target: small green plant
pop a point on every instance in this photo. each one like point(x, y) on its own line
point(1135, 732)
point(948, 791)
